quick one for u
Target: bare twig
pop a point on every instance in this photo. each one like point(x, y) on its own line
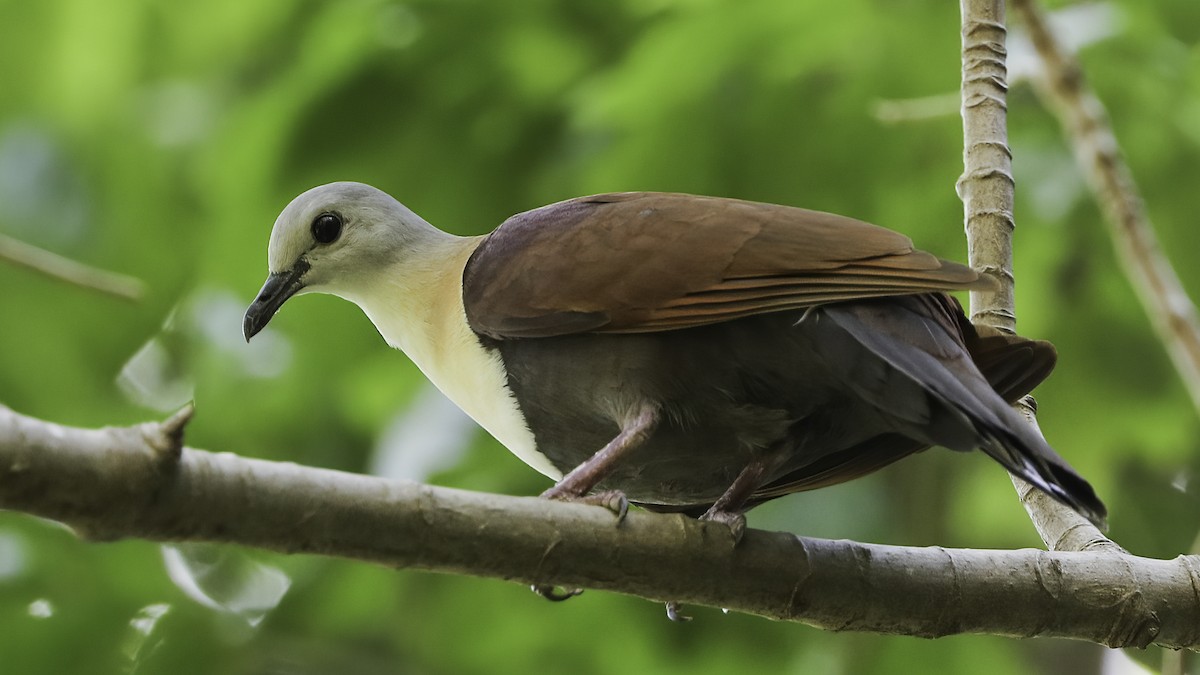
point(1060, 528)
point(141, 482)
point(1085, 121)
point(70, 271)
point(986, 188)
point(896, 110)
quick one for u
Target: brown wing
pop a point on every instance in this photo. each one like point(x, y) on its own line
point(645, 261)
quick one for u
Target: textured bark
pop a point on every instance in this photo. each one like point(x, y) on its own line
point(986, 189)
point(141, 482)
point(986, 186)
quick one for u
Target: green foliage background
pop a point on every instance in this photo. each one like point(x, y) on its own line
point(160, 138)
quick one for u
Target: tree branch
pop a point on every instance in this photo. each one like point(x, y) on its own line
point(986, 186)
point(141, 482)
point(1061, 528)
point(73, 272)
point(1085, 122)
point(986, 190)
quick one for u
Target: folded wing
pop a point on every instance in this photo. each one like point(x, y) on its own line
point(645, 261)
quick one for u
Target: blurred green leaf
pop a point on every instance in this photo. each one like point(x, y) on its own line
point(160, 139)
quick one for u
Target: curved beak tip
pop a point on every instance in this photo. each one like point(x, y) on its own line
point(278, 288)
point(249, 329)
point(258, 315)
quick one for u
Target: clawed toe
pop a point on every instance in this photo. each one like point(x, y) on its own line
point(736, 522)
point(674, 613)
point(555, 593)
point(613, 500)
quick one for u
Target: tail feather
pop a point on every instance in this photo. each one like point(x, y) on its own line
point(1012, 364)
point(1047, 471)
point(923, 340)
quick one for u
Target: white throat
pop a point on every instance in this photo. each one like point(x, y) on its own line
point(418, 309)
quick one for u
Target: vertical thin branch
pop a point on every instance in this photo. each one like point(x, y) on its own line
point(986, 188)
point(1086, 123)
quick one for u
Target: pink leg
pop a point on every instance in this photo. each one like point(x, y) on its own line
point(576, 485)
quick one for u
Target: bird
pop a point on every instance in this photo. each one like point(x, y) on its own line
point(687, 354)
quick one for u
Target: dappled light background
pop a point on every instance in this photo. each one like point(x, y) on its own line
point(159, 139)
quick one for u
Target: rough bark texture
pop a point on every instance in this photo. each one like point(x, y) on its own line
point(986, 186)
point(986, 189)
point(141, 482)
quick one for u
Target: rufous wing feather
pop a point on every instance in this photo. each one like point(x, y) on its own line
point(645, 261)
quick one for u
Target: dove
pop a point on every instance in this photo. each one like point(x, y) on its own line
point(687, 354)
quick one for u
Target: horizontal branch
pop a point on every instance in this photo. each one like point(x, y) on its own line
point(141, 482)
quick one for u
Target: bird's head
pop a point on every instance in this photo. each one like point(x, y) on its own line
point(333, 239)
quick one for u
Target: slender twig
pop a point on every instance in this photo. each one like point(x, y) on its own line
point(986, 189)
point(1085, 121)
point(70, 271)
point(896, 110)
point(141, 482)
point(986, 186)
point(1060, 528)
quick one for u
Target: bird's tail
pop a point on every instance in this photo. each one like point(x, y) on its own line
point(934, 390)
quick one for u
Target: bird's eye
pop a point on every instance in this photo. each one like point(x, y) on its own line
point(326, 228)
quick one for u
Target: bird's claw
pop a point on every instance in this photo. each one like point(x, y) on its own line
point(736, 522)
point(674, 613)
point(613, 500)
point(555, 593)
